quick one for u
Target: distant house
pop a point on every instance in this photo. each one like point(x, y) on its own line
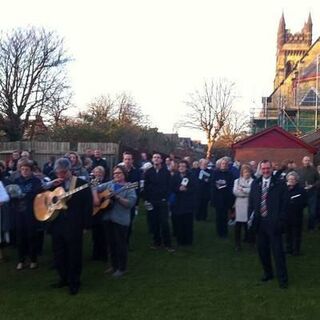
point(274, 144)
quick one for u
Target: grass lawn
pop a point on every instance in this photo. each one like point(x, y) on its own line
point(208, 281)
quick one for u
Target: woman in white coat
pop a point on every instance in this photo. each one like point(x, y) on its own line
point(241, 190)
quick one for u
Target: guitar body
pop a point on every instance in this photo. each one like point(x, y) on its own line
point(105, 196)
point(105, 200)
point(47, 205)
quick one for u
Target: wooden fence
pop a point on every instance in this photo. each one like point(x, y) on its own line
point(41, 150)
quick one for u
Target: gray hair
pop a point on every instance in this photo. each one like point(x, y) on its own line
point(62, 164)
point(218, 162)
point(293, 174)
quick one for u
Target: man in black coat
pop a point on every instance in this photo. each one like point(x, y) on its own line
point(133, 176)
point(156, 192)
point(67, 228)
point(268, 201)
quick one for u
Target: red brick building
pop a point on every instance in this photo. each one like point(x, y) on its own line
point(274, 144)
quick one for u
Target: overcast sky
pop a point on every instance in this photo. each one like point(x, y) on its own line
point(159, 51)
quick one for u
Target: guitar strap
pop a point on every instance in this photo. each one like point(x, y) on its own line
point(72, 186)
point(73, 183)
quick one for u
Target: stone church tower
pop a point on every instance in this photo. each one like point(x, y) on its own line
point(291, 48)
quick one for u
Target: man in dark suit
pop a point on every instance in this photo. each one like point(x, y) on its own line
point(68, 226)
point(268, 201)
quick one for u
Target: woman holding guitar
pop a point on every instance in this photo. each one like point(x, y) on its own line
point(117, 218)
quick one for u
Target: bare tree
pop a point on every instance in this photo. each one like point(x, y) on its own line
point(32, 77)
point(209, 109)
point(128, 112)
point(235, 129)
point(121, 110)
point(100, 111)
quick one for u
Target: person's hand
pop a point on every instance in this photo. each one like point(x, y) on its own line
point(183, 188)
point(57, 182)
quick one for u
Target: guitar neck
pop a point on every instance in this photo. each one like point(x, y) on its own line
point(129, 186)
point(71, 192)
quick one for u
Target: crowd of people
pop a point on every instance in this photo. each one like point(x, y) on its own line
point(261, 200)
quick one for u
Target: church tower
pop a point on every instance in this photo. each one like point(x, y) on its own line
point(291, 48)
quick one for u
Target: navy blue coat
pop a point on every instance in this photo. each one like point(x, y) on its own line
point(25, 218)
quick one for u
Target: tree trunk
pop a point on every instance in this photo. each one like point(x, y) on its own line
point(210, 149)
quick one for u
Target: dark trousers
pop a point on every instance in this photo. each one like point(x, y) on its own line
point(160, 224)
point(26, 244)
point(67, 251)
point(269, 241)
point(312, 209)
point(237, 233)
point(117, 237)
point(149, 221)
point(99, 242)
point(222, 221)
point(184, 229)
point(40, 241)
point(202, 209)
point(173, 220)
point(293, 235)
point(132, 216)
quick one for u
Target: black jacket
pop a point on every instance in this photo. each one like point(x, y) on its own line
point(78, 215)
point(222, 189)
point(297, 200)
point(203, 183)
point(277, 199)
point(184, 200)
point(157, 185)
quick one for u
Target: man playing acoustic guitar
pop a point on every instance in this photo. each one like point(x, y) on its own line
point(67, 228)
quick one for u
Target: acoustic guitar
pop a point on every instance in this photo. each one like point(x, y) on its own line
point(47, 205)
point(106, 195)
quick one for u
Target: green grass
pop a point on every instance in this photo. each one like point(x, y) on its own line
point(208, 281)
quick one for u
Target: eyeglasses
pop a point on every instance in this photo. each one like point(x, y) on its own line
point(117, 172)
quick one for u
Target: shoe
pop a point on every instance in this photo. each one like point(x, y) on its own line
point(283, 285)
point(118, 274)
point(73, 290)
point(266, 278)
point(20, 266)
point(33, 265)
point(109, 270)
point(155, 247)
point(59, 284)
point(170, 250)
